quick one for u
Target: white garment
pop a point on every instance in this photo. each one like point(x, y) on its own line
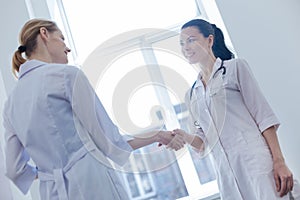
point(230, 114)
point(54, 117)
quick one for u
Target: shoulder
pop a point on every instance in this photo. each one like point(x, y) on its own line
point(67, 71)
point(74, 76)
point(237, 65)
point(236, 62)
point(71, 69)
point(74, 73)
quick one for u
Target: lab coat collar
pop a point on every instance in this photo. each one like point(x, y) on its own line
point(215, 68)
point(198, 81)
point(28, 66)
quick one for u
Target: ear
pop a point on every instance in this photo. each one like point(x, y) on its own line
point(210, 40)
point(44, 33)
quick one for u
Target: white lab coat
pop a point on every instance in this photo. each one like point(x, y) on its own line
point(54, 117)
point(230, 115)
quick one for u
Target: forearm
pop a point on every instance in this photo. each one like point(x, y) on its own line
point(194, 140)
point(271, 138)
point(282, 175)
point(143, 139)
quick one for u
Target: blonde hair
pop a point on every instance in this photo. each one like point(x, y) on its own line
point(28, 40)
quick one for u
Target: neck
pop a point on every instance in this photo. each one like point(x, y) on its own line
point(42, 56)
point(206, 68)
point(41, 52)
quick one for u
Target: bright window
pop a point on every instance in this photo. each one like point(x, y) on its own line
point(130, 51)
point(92, 22)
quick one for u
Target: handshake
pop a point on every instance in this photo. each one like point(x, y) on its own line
point(175, 139)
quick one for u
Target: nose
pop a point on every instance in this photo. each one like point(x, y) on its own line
point(185, 46)
point(68, 50)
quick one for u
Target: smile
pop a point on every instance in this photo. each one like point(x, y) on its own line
point(189, 55)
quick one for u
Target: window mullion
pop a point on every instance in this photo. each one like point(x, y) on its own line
point(183, 156)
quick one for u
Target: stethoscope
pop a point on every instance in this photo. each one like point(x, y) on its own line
point(221, 68)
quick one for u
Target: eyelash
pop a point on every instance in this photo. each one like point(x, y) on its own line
point(189, 41)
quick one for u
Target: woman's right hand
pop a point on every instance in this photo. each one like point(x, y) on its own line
point(171, 140)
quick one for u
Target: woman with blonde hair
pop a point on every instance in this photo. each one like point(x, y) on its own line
point(54, 117)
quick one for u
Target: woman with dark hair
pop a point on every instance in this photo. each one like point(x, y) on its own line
point(232, 119)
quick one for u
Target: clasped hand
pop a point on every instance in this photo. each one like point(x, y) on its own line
point(283, 178)
point(171, 139)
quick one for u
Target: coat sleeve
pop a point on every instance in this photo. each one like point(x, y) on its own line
point(17, 168)
point(94, 120)
point(253, 97)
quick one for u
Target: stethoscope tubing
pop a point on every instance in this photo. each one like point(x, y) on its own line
point(222, 67)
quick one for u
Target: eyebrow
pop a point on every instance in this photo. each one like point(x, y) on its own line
point(192, 36)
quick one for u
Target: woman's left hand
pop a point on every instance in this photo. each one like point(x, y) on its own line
point(283, 178)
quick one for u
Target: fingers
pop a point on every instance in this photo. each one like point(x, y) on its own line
point(165, 137)
point(283, 178)
point(283, 187)
point(178, 132)
point(292, 183)
point(277, 183)
point(172, 139)
point(289, 185)
point(176, 143)
point(284, 184)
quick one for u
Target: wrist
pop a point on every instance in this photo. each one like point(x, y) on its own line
point(278, 160)
point(157, 137)
point(188, 138)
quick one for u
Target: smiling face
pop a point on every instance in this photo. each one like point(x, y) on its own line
point(57, 48)
point(194, 46)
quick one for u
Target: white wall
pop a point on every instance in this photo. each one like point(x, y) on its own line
point(13, 10)
point(13, 14)
point(267, 34)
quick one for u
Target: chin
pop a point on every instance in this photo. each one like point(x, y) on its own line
point(193, 61)
point(65, 61)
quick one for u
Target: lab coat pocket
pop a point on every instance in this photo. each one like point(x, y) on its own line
point(257, 154)
point(254, 138)
point(215, 92)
